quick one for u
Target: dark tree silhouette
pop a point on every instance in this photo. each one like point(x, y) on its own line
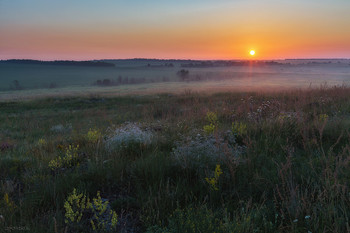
point(183, 74)
point(16, 85)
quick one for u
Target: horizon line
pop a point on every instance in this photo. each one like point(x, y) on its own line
point(179, 59)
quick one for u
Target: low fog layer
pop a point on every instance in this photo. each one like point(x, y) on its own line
point(142, 75)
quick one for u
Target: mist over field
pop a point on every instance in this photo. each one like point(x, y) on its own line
point(152, 76)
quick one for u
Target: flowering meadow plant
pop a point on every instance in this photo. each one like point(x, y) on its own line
point(127, 135)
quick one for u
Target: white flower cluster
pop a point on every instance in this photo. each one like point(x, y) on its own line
point(201, 152)
point(61, 128)
point(125, 135)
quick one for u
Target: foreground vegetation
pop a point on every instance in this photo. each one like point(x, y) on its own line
point(228, 162)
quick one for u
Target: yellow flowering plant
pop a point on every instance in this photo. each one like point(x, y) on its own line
point(93, 135)
point(323, 117)
point(100, 210)
point(9, 204)
point(212, 118)
point(42, 142)
point(239, 128)
point(75, 206)
point(69, 159)
point(213, 181)
point(79, 208)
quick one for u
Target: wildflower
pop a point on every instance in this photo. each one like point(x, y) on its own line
point(214, 180)
point(323, 117)
point(61, 129)
point(8, 202)
point(307, 217)
point(103, 216)
point(239, 128)
point(209, 129)
point(75, 206)
point(98, 212)
point(127, 135)
point(114, 220)
point(93, 135)
point(42, 142)
point(6, 199)
point(201, 151)
point(295, 220)
point(69, 159)
point(212, 118)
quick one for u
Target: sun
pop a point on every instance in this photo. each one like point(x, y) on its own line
point(252, 52)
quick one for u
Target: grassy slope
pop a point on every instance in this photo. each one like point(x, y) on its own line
point(293, 175)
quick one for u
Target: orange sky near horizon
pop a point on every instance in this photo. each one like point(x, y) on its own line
point(275, 32)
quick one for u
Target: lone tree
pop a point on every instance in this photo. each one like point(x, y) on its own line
point(183, 74)
point(106, 82)
point(16, 85)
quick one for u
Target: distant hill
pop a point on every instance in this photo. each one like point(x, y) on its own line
point(59, 63)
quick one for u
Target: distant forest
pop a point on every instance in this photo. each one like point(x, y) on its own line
point(60, 63)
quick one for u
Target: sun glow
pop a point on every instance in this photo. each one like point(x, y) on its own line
point(252, 52)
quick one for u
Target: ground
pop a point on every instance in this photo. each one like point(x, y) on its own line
point(184, 162)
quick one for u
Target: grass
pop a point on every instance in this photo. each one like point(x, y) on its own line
point(269, 162)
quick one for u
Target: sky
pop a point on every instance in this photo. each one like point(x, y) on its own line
point(177, 29)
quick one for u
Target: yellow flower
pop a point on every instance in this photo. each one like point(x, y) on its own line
point(78, 207)
point(323, 117)
point(239, 128)
point(93, 135)
point(218, 171)
point(42, 142)
point(75, 205)
point(114, 220)
point(214, 180)
point(209, 128)
point(8, 203)
point(67, 160)
point(99, 210)
point(212, 118)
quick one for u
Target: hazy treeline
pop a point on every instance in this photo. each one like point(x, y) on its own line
point(183, 76)
point(17, 86)
point(119, 81)
point(60, 63)
point(125, 81)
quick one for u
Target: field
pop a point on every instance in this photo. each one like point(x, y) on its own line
point(243, 161)
point(134, 75)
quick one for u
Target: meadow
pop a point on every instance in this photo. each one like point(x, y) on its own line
point(143, 73)
point(243, 161)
